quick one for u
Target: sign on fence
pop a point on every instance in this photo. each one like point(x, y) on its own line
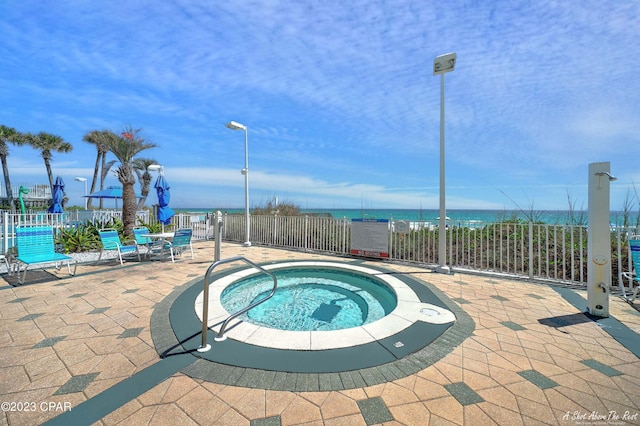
point(370, 237)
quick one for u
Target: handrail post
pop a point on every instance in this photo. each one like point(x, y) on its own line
point(204, 346)
point(218, 235)
point(531, 264)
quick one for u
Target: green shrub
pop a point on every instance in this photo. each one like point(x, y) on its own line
point(286, 208)
point(78, 239)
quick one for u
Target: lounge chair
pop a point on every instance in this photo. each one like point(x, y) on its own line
point(632, 277)
point(35, 247)
point(181, 240)
point(111, 242)
point(139, 233)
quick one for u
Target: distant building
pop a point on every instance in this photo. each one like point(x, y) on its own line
point(38, 197)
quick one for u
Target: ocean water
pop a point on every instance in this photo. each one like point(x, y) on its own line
point(551, 217)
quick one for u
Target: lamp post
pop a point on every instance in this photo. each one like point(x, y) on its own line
point(237, 126)
point(86, 200)
point(441, 65)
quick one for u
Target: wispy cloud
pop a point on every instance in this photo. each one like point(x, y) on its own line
point(336, 92)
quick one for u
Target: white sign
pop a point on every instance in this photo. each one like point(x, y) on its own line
point(370, 237)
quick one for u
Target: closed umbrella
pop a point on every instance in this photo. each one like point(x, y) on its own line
point(57, 196)
point(164, 211)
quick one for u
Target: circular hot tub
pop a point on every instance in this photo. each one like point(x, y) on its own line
point(394, 324)
point(311, 299)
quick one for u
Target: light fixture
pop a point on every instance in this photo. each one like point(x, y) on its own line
point(237, 126)
point(156, 167)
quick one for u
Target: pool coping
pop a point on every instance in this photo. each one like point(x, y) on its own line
point(174, 332)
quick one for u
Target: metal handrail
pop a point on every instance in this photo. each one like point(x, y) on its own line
point(205, 303)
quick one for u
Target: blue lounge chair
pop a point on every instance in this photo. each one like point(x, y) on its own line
point(633, 277)
point(35, 246)
point(139, 233)
point(181, 240)
point(111, 242)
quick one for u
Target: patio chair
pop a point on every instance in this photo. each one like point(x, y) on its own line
point(139, 233)
point(36, 247)
point(632, 277)
point(181, 240)
point(111, 242)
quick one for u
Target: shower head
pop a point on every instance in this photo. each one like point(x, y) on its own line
point(611, 177)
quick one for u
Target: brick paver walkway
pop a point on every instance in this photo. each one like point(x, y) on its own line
point(533, 357)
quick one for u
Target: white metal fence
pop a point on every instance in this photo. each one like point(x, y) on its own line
point(99, 218)
point(536, 251)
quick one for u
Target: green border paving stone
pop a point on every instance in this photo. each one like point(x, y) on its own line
point(19, 300)
point(77, 384)
point(460, 300)
point(302, 382)
point(390, 373)
point(30, 317)
point(130, 332)
point(463, 393)
point(512, 325)
point(48, 342)
point(600, 367)
point(131, 290)
point(374, 411)
point(538, 379)
point(500, 298)
point(358, 381)
point(347, 380)
point(98, 311)
point(75, 296)
point(267, 421)
point(535, 296)
point(108, 281)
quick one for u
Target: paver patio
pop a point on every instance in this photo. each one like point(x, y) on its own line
point(533, 357)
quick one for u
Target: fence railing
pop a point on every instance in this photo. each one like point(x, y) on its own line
point(199, 223)
point(42, 190)
point(537, 251)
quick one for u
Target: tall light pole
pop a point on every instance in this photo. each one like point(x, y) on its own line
point(86, 200)
point(441, 65)
point(237, 126)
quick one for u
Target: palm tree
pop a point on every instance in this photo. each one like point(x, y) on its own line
point(46, 142)
point(125, 147)
point(141, 165)
point(98, 138)
point(10, 135)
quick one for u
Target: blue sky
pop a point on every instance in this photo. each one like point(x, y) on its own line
point(340, 100)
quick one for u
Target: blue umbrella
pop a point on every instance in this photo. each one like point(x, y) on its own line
point(112, 192)
point(164, 211)
point(57, 196)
